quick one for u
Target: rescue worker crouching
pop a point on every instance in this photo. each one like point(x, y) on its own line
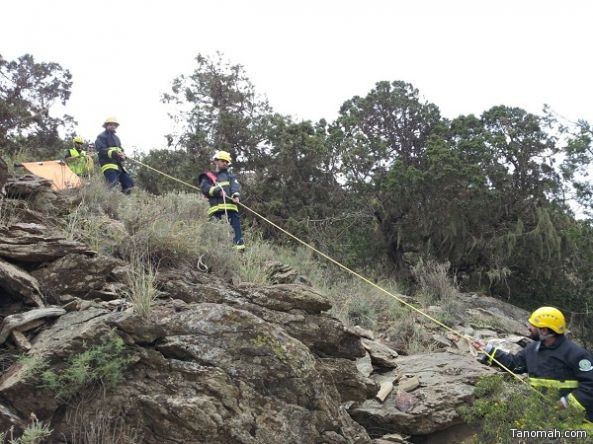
point(78, 160)
point(223, 190)
point(551, 361)
point(111, 157)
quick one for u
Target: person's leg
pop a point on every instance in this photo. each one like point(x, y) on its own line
point(126, 181)
point(111, 176)
point(235, 221)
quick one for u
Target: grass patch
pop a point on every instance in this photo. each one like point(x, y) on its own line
point(35, 433)
point(142, 291)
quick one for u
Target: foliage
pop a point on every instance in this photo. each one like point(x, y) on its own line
point(35, 433)
point(102, 364)
point(28, 89)
point(392, 183)
point(502, 406)
point(218, 109)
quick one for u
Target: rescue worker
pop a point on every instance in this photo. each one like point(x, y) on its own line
point(78, 160)
point(112, 156)
point(551, 360)
point(222, 190)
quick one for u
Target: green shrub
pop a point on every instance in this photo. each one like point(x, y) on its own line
point(34, 433)
point(501, 406)
point(101, 364)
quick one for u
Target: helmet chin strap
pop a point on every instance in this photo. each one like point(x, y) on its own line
point(543, 336)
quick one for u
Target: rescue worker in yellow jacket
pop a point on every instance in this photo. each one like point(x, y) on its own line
point(111, 157)
point(78, 160)
point(222, 190)
point(551, 360)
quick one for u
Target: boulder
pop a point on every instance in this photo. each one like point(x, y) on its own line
point(381, 355)
point(20, 284)
point(446, 382)
point(26, 186)
point(79, 275)
point(200, 373)
point(27, 321)
point(34, 243)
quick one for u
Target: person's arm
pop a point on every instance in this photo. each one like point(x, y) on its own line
point(517, 363)
point(582, 365)
point(207, 187)
point(101, 145)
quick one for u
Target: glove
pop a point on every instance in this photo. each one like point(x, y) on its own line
point(564, 402)
point(485, 357)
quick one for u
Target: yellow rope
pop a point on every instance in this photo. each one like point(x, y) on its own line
point(344, 267)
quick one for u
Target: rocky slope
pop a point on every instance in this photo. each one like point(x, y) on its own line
point(212, 362)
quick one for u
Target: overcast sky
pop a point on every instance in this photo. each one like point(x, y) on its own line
point(308, 56)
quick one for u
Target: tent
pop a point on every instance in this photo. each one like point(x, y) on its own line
point(61, 176)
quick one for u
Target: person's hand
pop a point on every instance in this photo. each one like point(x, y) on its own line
point(120, 156)
point(478, 344)
point(235, 198)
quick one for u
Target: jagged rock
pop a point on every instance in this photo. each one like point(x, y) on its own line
point(352, 385)
point(391, 438)
point(381, 355)
point(286, 297)
point(78, 275)
point(26, 186)
point(362, 332)
point(19, 283)
point(9, 418)
point(20, 340)
point(364, 365)
point(510, 344)
point(441, 340)
point(484, 333)
point(446, 382)
point(67, 336)
point(294, 307)
point(26, 321)
point(36, 243)
point(203, 373)
point(278, 273)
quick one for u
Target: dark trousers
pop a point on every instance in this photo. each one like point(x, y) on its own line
point(114, 176)
point(235, 222)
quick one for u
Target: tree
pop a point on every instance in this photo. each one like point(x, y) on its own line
point(389, 124)
point(28, 90)
point(218, 109)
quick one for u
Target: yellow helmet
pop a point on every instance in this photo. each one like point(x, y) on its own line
point(548, 317)
point(222, 155)
point(78, 139)
point(111, 119)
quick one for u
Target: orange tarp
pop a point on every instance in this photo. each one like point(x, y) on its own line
point(61, 176)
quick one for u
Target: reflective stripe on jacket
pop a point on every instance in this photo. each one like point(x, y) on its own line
point(82, 164)
point(212, 189)
point(564, 366)
point(107, 144)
